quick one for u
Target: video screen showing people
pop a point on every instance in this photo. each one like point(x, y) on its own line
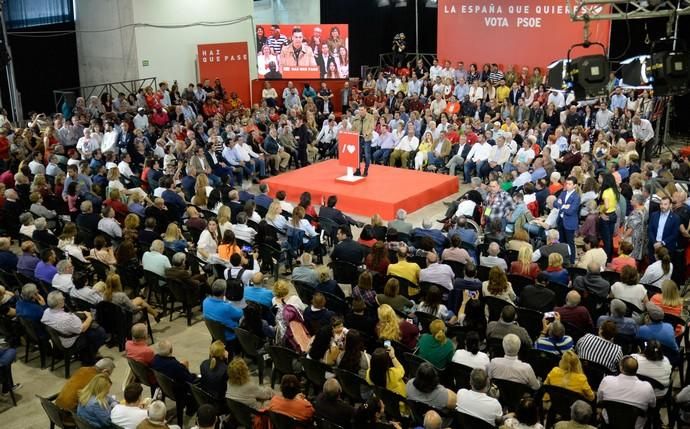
point(302, 51)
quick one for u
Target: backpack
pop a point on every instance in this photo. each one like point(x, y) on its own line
point(234, 290)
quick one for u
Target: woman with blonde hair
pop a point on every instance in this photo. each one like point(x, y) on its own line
point(498, 286)
point(555, 271)
point(242, 387)
point(425, 146)
point(114, 293)
point(202, 190)
point(94, 402)
point(524, 265)
point(669, 300)
point(311, 237)
point(275, 218)
point(435, 347)
point(173, 238)
point(390, 327)
point(214, 370)
point(224, 217)
point(569, 375)
point(131, 229)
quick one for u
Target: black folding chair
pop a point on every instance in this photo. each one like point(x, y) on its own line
point(336, 304)
point(345, 272)
point(216, 329)
point(67, 352)
point(594, 372)
point(542, 362)
point(561, 399)
point(143, 373)
point(315, 372)
point(172, 391)
point(56, 415)
point(495, 306)
point(241, 413)
point(116, 321)
point(460, 375)
point(34, 333)
point(425, 320)
point(305, 291)
point(202, 397)
point(187, 298)
point(511, 393)
point(620, 415)
point(283, 421)
point(458, 268)
point(531, 320)
point(252, 347)
point(353, 385)
point(283, 362)
point(467, 421)
point(519, 282)
point(391, 404)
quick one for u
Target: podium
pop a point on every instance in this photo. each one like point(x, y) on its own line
point(348, 156)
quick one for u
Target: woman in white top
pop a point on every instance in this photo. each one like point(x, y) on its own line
point(264, 58)
point(67, 242)
point(311, 237)
point(269, 94)
point(470, 355)
point(208, 241)
point(275, 218)
point(115, 183)
point(653, 364)
point(628, 289)
point(660, 270)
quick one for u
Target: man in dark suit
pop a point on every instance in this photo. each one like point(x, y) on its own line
point(347, 249)
point(330, 212)
point(568, 205)
point(440, 240)
point(663, 229)
point(165, 363)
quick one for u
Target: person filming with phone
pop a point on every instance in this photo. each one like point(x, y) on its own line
point(553, 338)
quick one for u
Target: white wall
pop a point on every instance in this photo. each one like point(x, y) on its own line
point(105, 56)
point(171, 53)
point(287, 12)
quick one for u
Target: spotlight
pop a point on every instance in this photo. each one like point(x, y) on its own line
point(588, 75)
point(432, 3)
point(555, 75)
point(669, 67)
point(635, 71)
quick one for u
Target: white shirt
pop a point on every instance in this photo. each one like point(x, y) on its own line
point(127, 417)
point(155, 262)
point(522, 179)
point(86, 146)
point(285, 206)
point(630, 390)
point(37, 168)
point(644, 131)
point(479, 152)
point(110, 227)
point(244, 232)
point(463, 357)
point(659, 370)
point(63, 282)
point(407, 144)
point(479, 405)
point(654, 274)
point(206, 243)
point(557, 98)
point(434, 72)
point(141, 121)
point(125, 169)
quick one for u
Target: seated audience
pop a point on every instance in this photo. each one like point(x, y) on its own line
point(569, 375)
point(510, 367)
point(242, 388)
point(476, 402)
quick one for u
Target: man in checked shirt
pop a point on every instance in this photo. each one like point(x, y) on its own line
point(497, 205)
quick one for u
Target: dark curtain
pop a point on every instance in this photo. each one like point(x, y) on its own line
point(30, 13)
point(42, 64)
point(372, 28)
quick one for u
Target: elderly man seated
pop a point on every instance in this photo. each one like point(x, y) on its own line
point(166, 363)
point(492, 259)
point(63, 281)
point(154, 260)
point(574, 313)
point(507, 324)
point(440, 274)
point(156, 417)
point(138, 348)
point(580, 416)
point(552, 245)
point(68, 396)
point(217, 308)
point(74, 328)
point(476, 402)
point(625, 325)
point(511, 368)
point(440, 240)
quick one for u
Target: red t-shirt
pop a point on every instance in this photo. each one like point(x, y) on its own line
point(139, 351)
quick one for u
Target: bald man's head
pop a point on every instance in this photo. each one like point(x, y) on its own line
point(573, 298)
point(629, 365)
point(594, 267)
point(432, 420)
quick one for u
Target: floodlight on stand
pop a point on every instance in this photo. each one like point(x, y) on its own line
point(589, 74)
point(670, 67)
point(555, 74)
point(635, 71)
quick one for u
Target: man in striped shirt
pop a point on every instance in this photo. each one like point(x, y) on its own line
point(601, 349)
point(276, 40)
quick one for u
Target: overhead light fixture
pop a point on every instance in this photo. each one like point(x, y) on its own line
point(432, 3)
point(555, 75)
point(669, 67)
point(588, 75)
point(635, 71)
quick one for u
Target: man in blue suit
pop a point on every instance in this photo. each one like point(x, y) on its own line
point(663, 229)
point(568, 205)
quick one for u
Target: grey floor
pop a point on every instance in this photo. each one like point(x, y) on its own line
point(188, 342)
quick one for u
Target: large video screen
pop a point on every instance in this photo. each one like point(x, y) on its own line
point(302, 51)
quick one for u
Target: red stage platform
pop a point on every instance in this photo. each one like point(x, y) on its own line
point(385, 190)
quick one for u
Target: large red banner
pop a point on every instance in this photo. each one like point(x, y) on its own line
point(228, 62)
point(529, 33)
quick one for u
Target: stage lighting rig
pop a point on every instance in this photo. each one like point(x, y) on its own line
point(670, 67)
point(587, 75)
